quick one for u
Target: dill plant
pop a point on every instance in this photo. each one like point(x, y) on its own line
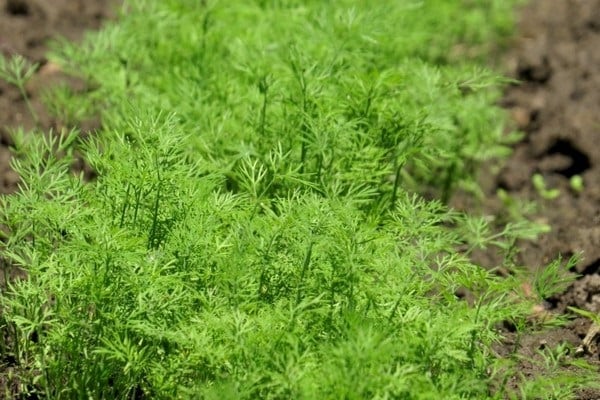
point(257, 228)
point(17, 71)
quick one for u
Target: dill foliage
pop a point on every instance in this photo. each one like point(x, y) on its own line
point(263, 222)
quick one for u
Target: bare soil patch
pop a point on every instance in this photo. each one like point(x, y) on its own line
point(26, 26)
point(557, 105)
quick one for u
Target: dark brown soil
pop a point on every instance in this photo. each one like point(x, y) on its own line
point(557, 104)
point(26, 26)
point(556, 56)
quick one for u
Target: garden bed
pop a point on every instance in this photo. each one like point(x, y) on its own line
point(554, 105)
point(557, 105)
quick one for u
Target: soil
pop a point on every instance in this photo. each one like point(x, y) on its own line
point(556, 104)
point(26, 27)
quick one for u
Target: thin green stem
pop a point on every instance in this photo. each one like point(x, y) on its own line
point(30, 108)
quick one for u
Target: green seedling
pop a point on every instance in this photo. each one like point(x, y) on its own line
point(576, 183)
point(540, 186)
point(594, 317)
point(506, 199)
point(518, 210)
point(554, 278)
point(17, 71)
